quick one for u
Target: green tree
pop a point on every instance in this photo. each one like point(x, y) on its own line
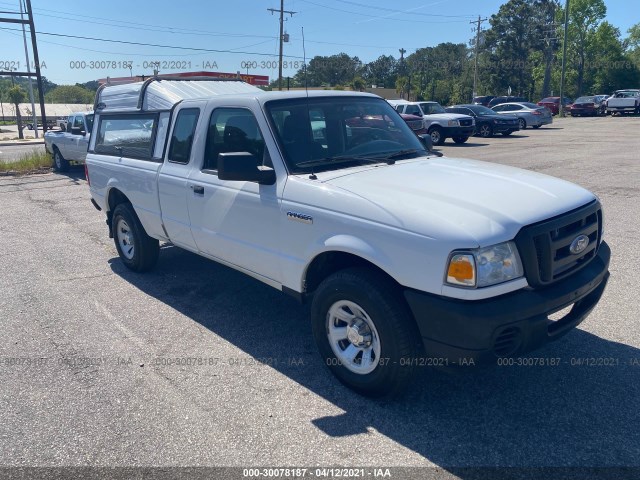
point(358, 84)
point(585, 17)
point(70, 94)
point(17, 95)
point(632, 44)
point(381, 72)
point(329, 71)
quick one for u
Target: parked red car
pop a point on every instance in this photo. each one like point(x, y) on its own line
point(553, 104)
point(589, 105)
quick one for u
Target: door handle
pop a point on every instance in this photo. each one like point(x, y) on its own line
point(197, 189)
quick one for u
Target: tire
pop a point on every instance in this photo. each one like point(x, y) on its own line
point(460, 139)
point(485, 131)
point(537, 126)
point(365, 299)
point(523, 123)
point(437, 136)
point(507, 133)
point(137, 250)
point(60, 164)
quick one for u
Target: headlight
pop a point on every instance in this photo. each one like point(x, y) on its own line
point(483, 267)
point(454, 123)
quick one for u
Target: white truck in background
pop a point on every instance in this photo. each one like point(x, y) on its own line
point(408, 259)
point(69, 144)
point(624, 101)
point(439, 123)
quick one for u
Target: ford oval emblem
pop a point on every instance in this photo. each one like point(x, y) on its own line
point(579, 244)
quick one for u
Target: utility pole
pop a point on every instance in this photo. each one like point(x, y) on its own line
point(26, 54)
point(282, 11)
point(564, 57)
point(36, 59)
point(404, 70)
point(478, 24)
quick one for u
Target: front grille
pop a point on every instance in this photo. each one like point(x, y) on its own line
point(544, 247)
point(466, 123)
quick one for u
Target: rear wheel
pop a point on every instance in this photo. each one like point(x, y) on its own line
point(485, 131)
point(522, 123)
point(137, 250)
point(365, 332)
point(59, 162)
point(507, 133)
point(437, 137)
point(460, 139)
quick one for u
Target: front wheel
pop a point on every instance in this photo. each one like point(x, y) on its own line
point(437, 137)
point(460, 139)
point(486, 131)
point(137, 250)
point(365, 332)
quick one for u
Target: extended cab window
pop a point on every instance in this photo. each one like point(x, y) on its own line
point(126, 135)
point(233, 130)
point(182, 136)
point(413, 110)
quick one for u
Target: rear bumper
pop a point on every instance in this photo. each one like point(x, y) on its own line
point(482, 331)
point(622, 109)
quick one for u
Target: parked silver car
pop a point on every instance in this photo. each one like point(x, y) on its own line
point(529, 114)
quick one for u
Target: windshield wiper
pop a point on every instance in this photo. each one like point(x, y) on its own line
point(400, 153)
point(339, 159)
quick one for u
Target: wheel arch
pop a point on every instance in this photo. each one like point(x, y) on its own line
point(329, 262)
point(114, 198)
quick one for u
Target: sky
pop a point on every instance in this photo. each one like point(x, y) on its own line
point(238, 35)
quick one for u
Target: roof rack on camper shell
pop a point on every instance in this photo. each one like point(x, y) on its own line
point(162, 93)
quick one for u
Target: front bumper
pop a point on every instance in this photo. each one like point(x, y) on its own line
point(452, 132)
point(480, 332)
point(502, 127)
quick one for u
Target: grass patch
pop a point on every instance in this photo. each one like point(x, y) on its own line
point(33, 162)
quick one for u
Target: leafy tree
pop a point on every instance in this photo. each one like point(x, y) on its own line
point(381, 72)
point(70, 94)
point(329, 71)
point(358, 84)
point(632, 44)
point(17, 95)
point(585, 17)
point(508, 43)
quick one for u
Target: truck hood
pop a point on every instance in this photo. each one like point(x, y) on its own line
point(447, 116)
point(474, 202)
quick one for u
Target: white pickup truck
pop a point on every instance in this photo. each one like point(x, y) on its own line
point(624, 101)
point(69, 144)
point(439, 123)
point(406, 258)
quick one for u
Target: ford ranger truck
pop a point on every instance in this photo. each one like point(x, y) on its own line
point(405, 258)
point(439, 123)
point(69, 144)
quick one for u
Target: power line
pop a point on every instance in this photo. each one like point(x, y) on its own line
point(378, 16)
point(348, 2)
point(210, 50)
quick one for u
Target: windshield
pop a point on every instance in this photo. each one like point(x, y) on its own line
point(530, 105)
point(430, 108)
point(585, 100)
point(481, 111)
point(325, 133)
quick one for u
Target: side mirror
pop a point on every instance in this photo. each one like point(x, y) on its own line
point(243, 166)
point(428, 144)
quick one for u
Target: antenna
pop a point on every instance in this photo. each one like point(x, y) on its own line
point(304, 59)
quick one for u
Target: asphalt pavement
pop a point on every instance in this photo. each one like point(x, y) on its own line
point(194, 364)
